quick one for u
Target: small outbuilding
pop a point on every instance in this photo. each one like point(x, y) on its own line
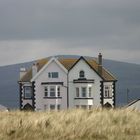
point(134, 104)
point(3, 108)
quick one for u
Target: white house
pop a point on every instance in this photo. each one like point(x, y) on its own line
point(61, 83)
point(134, 105)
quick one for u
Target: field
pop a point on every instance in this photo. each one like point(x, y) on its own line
point(97, 124)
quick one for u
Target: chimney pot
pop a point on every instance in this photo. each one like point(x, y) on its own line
point(100, 63)
point(34, 69)
point(22, 72)
point(100, 59)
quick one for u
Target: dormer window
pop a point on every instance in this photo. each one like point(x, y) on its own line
point(81, 74)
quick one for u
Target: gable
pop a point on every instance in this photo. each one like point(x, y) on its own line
point(53, 65)
point(82, 65)
point(67, 64)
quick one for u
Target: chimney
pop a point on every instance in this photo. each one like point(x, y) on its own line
point(35, 69)
point(100, 63)
point(22, 72)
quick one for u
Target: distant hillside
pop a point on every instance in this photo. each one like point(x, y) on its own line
point(128, 76)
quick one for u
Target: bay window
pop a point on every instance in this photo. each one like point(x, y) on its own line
point(83, 92)
point(52, 91)
point(46, 91)
point(77, 92)
point(27, 92)
point(108, 91)
point(89, 91)
point(58, 91)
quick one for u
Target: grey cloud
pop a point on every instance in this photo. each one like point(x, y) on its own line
point(82, 24)
point(64, 19)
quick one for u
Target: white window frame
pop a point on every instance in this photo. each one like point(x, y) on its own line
point(107, 91)
point(90, 92)
point(54, 92)
point(81, 74)
point(46, 91)
point(57, 91)
point(77, 93)
point(82, 92)
point(53, 75)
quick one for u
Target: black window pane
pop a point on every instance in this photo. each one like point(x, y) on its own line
point(52, 91)
point(82, 74)
point(54, 74)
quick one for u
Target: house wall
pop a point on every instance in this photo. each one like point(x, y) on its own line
point(40, 101)
point(25, 101)
point(109, 100)
point(136, 105)
point(89, 74)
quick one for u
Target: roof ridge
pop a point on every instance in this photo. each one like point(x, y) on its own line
point(69, 63)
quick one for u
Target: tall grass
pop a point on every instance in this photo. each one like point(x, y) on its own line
point(94, 124)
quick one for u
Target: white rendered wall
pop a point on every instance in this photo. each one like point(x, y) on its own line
point(39, 89)
point(109, 100)
point(89, 74)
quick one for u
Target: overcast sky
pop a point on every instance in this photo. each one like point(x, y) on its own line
point(32, 29)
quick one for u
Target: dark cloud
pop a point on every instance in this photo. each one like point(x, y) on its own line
point(95, 24)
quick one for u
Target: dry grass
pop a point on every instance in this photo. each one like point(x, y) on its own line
point(95, 124)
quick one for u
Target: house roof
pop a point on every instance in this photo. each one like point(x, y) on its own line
point(68, 63)
point(2, 107)
point(133, 102)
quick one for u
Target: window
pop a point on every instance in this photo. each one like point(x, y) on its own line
point(58, 107)
point(83, 91)
point(58, 91)
point(107, 91)
point(52, 91)
point(82, 74)
point(27, 92)
point(90, 106)
point(46, 91)
point(77, 106)
point(77, 92)
point(52, 107)
point(49, 74)
point(89, 91)
point(53, 74)
point(83, 106)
